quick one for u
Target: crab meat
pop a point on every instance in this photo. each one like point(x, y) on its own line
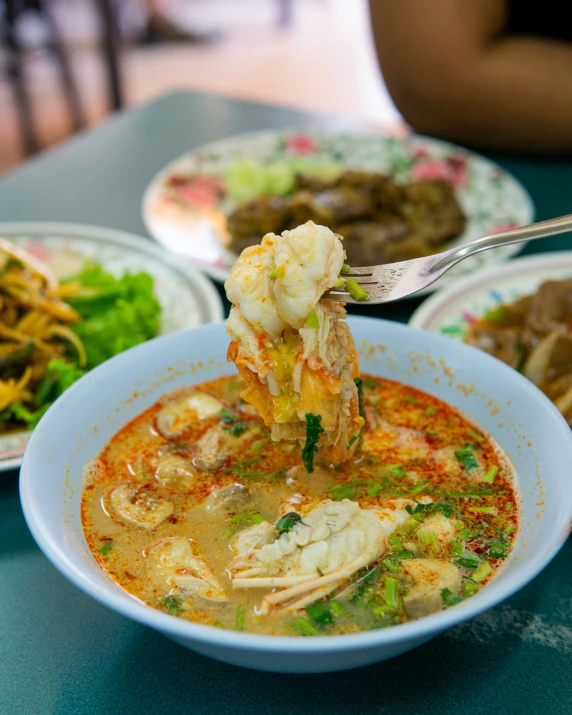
point(176, 565)
point(139, 506)
point(333, 540)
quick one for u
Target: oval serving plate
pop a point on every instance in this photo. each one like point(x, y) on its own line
point(451, 311)
point(194, 224)
point(187, 298)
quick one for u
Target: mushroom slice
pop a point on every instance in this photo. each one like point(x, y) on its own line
point(233, 497)
point(177, 565)
point(175, 472)
point(214, 448)
point(137, 505)
point(178, 414)
point(430, 577)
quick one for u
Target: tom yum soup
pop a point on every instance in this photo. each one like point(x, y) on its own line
point(299, 498)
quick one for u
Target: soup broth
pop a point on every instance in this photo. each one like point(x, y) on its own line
point(194, 510)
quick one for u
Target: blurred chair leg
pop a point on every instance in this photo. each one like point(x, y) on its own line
point(56, 46)
point(30, 139)
point(285, 12)
point(110, 42)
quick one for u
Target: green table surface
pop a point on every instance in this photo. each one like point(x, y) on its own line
point(63, 653)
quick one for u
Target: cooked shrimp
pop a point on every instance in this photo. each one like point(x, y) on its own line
point(295, 351)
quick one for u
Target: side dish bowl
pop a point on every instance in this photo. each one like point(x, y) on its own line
point(517, 415)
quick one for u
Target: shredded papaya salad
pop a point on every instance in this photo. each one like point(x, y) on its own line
point(52, 332)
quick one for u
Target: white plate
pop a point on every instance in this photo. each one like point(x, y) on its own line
point(451, 311)
point(490, 197)
point(187, 298)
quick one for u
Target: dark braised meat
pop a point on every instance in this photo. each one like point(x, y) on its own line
point(534, 335)
point(380, 220)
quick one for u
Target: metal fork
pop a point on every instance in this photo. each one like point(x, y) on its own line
point(393, 281)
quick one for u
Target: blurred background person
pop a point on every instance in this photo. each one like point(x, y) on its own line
point(490, 73)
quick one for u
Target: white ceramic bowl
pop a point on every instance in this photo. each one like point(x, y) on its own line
point(75, 429)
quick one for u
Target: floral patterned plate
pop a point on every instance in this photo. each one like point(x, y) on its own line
point(189, 216)
point(451, 311)
point(187, 298)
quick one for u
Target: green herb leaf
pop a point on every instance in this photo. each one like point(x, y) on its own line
point(228, 417)
point(320, 613)
point(359, 385)
point(106, 548)
point(449, 598)
point(173, 605)
point(303, 627)
point(313, 431)
point(237, 429)
point(467, 459)
point(286, 522)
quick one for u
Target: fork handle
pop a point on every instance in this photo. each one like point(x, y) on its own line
point(531, 232)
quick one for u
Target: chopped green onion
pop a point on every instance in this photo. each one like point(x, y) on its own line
point(449, 598)
point(456, 547)
point(465, 534)
point(404, 555)
point(509, 506)
point(394, 470)
point(373, 399)
point(239, 623)
point(509, 529)
point(430, 410)
point(391, 591)
point(419, 487)
point(468, 560)
point(246, 518)
point(390, 565)
point(286, 522)
point(467, 459)
point(276, 273)
point(410, 399)
point(257, 446)
point(304, 627)
point(338, 609)
point(475, 435)
point(240, 466)
point(374, 490)
point(106, 548)
point(409, 527)
point(348, 493)
point(489, 477)
point(484, 570)
point(355, 290)
point(427, 538)
point(312, 320)
point(483, 509)
point(497, 549)
point(383, 610)
point(320, 613)
point(345, 268)
point(469, 589)
point(173, 605)
point(395, 542)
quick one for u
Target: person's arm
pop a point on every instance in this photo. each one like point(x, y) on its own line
point(452, 73)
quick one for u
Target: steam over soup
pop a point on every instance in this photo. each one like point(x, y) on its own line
point(195, 510)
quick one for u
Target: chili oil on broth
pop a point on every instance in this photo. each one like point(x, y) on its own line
point(415, 447)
